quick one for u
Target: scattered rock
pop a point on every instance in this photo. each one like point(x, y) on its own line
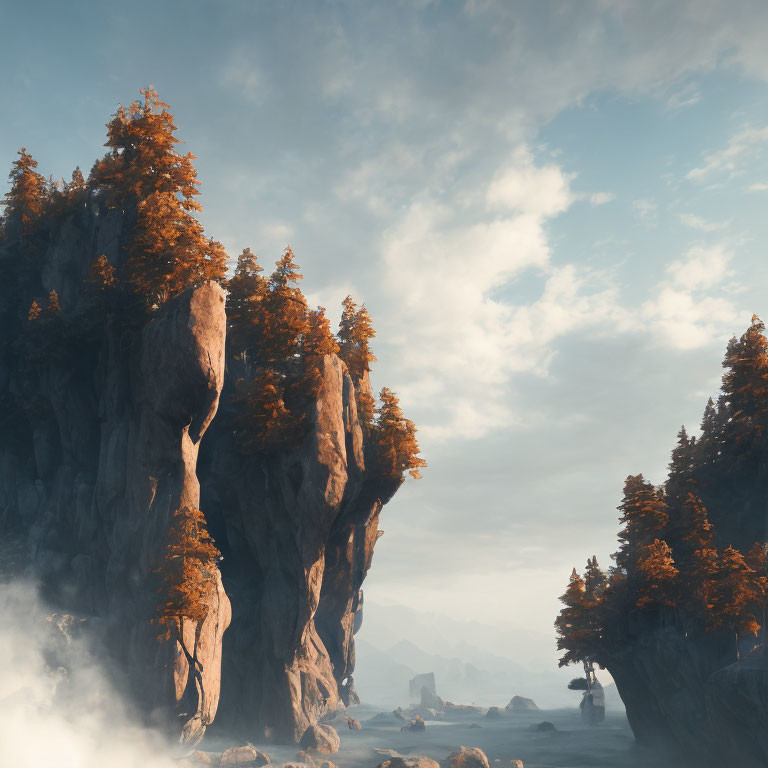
point(199, 759)
point(516, 764)
point(417, 724)
point(400, 713)
point(461, 709)
point(545, 727)
point(305, 757)
point(468, 757)
point(244, 756)
point(388, 752)
point(520, 702)
point(475, 725)
point(494, 713)
point(410, 761)
point(320, 738)
point(354, 725)
point(327, 764)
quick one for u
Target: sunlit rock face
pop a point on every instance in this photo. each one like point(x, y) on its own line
point(98, 446)
point(297, 530)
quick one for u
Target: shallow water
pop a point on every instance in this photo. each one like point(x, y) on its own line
point(573, 745)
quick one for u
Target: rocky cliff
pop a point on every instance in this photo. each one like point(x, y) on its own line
point(107, 426)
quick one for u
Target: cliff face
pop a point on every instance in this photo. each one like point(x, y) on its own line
point(297, 531)
point(99, 440)
point(98, 447)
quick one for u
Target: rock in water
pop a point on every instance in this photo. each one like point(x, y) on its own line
point(494, 713)
point(354, 725)
point(247, 756)
point(468, 757)
point(417, 724)
point(320, 738)
point(520, 702)
point(410, 761)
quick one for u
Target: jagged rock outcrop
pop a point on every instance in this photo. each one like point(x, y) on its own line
point(102, 423)
point(297, 529)
point(107, 427)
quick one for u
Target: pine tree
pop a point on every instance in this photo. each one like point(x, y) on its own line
point(658, 576)
point(25, 200)
point(645, 517)
point(143, 172)
point(34, 311)
point(187, 572)
point(53, 303)
point(571, 625)
point(246, 291)
point(745, 387)
point(286, 318)
point(265, 423)
point(355, 332)
point(396, 448)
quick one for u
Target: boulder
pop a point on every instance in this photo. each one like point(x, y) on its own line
point(494, 713)
point(461, 709)
point(410, 761)
point(199, 759)
point(320, 738)
point(544, 727)
point(520, 702)
point(305, 757)
point(400, 713)
point(243, 756)
point(354, 725)
point(468, 757)
point(417, 724)
point(516, 764)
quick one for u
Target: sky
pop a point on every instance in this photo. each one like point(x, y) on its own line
point(554, 212)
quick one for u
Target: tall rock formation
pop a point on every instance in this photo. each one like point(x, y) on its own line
point(297, 530)
point(102, 423)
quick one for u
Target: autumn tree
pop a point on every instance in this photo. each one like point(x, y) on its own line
point(188, 573)
point(396, 448)
point(246, 290)
point(574, 634)
point(355, 332)
point(644, 516)
point(144, 173)
point(25, 200)
point(286, 318)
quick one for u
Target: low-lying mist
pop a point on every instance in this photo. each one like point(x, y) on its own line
point(57, 706)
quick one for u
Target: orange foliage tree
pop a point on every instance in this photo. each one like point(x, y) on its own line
point(355, 332)
point(187, 572)
point(25, 200)
point(143, 172)
point(396, 448)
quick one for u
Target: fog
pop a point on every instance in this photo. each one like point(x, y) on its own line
point(57, 707)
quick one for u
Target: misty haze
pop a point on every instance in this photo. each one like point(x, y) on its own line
point(384, 384)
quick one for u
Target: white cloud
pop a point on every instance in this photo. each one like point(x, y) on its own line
point(730, 161)
point(758, 187)
point(697, 222)
point(681, 313)
point(645, 210)
point(601, 198)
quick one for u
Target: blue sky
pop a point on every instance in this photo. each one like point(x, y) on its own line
point(554, 212)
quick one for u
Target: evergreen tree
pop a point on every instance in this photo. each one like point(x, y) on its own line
point(355, 332)
point(53, 303)
point(286, 318)
point(658, 576)
point(187, 572)
point(25, 200)
point(145, 174)
point(644, 516)
point(573, 631)
point(246, 291)
point(395, 440)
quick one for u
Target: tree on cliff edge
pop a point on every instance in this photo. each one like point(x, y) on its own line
point(25, 200)
point(187, 572)
point(355, 332)
point(144, 175)
point(396, 448)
